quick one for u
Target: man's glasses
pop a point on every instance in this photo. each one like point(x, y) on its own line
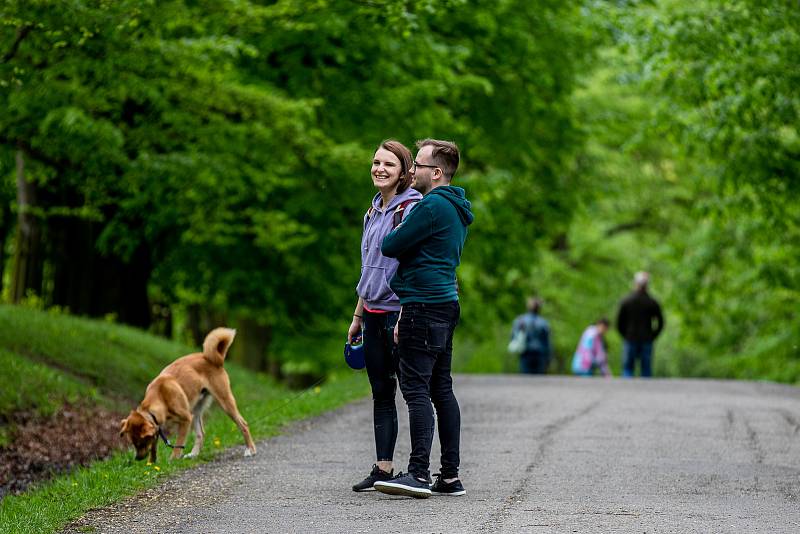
point(414, 166)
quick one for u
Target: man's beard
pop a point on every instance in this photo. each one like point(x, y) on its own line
point(421, 186)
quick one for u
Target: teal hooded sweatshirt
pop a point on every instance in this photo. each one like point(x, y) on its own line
point(428, 244)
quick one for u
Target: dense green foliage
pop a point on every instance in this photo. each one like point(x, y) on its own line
point(732, 108)
point(208, 162)
point(691, 146)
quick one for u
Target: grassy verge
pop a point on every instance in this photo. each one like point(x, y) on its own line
point(37, 386)
point(117, 360)
point(266, 406)
point(48, 359)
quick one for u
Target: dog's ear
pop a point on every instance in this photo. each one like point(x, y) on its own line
point(123, 427)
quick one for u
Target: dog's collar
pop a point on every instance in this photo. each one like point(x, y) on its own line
point(161, 433)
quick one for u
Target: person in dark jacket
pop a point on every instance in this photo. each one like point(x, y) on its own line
point(639, 322)
point(428, 244)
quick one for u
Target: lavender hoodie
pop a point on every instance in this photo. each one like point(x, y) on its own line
point(377, 269)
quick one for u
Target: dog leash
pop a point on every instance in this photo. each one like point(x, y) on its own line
point(164, 436)
point(265, 416)
point(289, 401)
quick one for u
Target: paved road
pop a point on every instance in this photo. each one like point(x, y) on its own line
point(539, 454)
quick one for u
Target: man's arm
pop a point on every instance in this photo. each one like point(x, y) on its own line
point(659, 320)
point(416, 227)
point(621, 319)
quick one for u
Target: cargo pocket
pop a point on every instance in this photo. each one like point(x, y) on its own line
point(437, 336)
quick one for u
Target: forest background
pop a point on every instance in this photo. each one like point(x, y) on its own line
point(176, 165)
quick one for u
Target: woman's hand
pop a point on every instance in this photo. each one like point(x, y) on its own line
point(355, 329)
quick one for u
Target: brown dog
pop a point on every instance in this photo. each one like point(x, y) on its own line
point(180, 394)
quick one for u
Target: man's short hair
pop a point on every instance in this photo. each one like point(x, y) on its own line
point(445, 155)
point(603, 321)
point(534, 304)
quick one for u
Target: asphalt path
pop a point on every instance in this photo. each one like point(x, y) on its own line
point(539, 454)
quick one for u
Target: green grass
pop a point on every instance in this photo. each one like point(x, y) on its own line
point(267, 408)
point(117, 360)
point(37, 386)
point(92, 358)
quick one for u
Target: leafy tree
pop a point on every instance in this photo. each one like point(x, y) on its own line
point(730, 73)
point(213, 155)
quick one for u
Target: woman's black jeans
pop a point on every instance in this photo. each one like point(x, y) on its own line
point(380, 354)
point(426, 353)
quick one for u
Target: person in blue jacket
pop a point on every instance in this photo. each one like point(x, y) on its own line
point(535, 357)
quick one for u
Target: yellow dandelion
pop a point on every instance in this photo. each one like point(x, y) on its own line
point(217, 442)
point(74, 483)
point(149, 463)
point(156, 468)
point(317, 390)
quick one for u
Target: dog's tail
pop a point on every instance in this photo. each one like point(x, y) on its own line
point(216, 344)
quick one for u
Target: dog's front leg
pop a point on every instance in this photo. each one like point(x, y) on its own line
point(153, 451)
point(183, 430)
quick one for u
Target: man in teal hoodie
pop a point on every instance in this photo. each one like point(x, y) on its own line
point(428, 244)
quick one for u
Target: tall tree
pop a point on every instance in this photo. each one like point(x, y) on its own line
point(216, 154)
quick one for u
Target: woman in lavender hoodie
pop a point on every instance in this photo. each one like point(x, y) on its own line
point(378, 307)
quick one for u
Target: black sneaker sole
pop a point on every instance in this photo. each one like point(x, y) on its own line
point(450, 493)
point(364, 489)
point(391, 488)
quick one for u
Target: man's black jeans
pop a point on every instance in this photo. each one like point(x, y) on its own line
point(426, 353)
point(381, 358)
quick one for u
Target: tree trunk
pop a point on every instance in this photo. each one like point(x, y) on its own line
point(5, 229)
point(89, 283)
point(193, 324)
point(161, 319)
point(201, 321)
point(252, 342)
point(73, 269)
point(28, 260)
point(122, 287)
